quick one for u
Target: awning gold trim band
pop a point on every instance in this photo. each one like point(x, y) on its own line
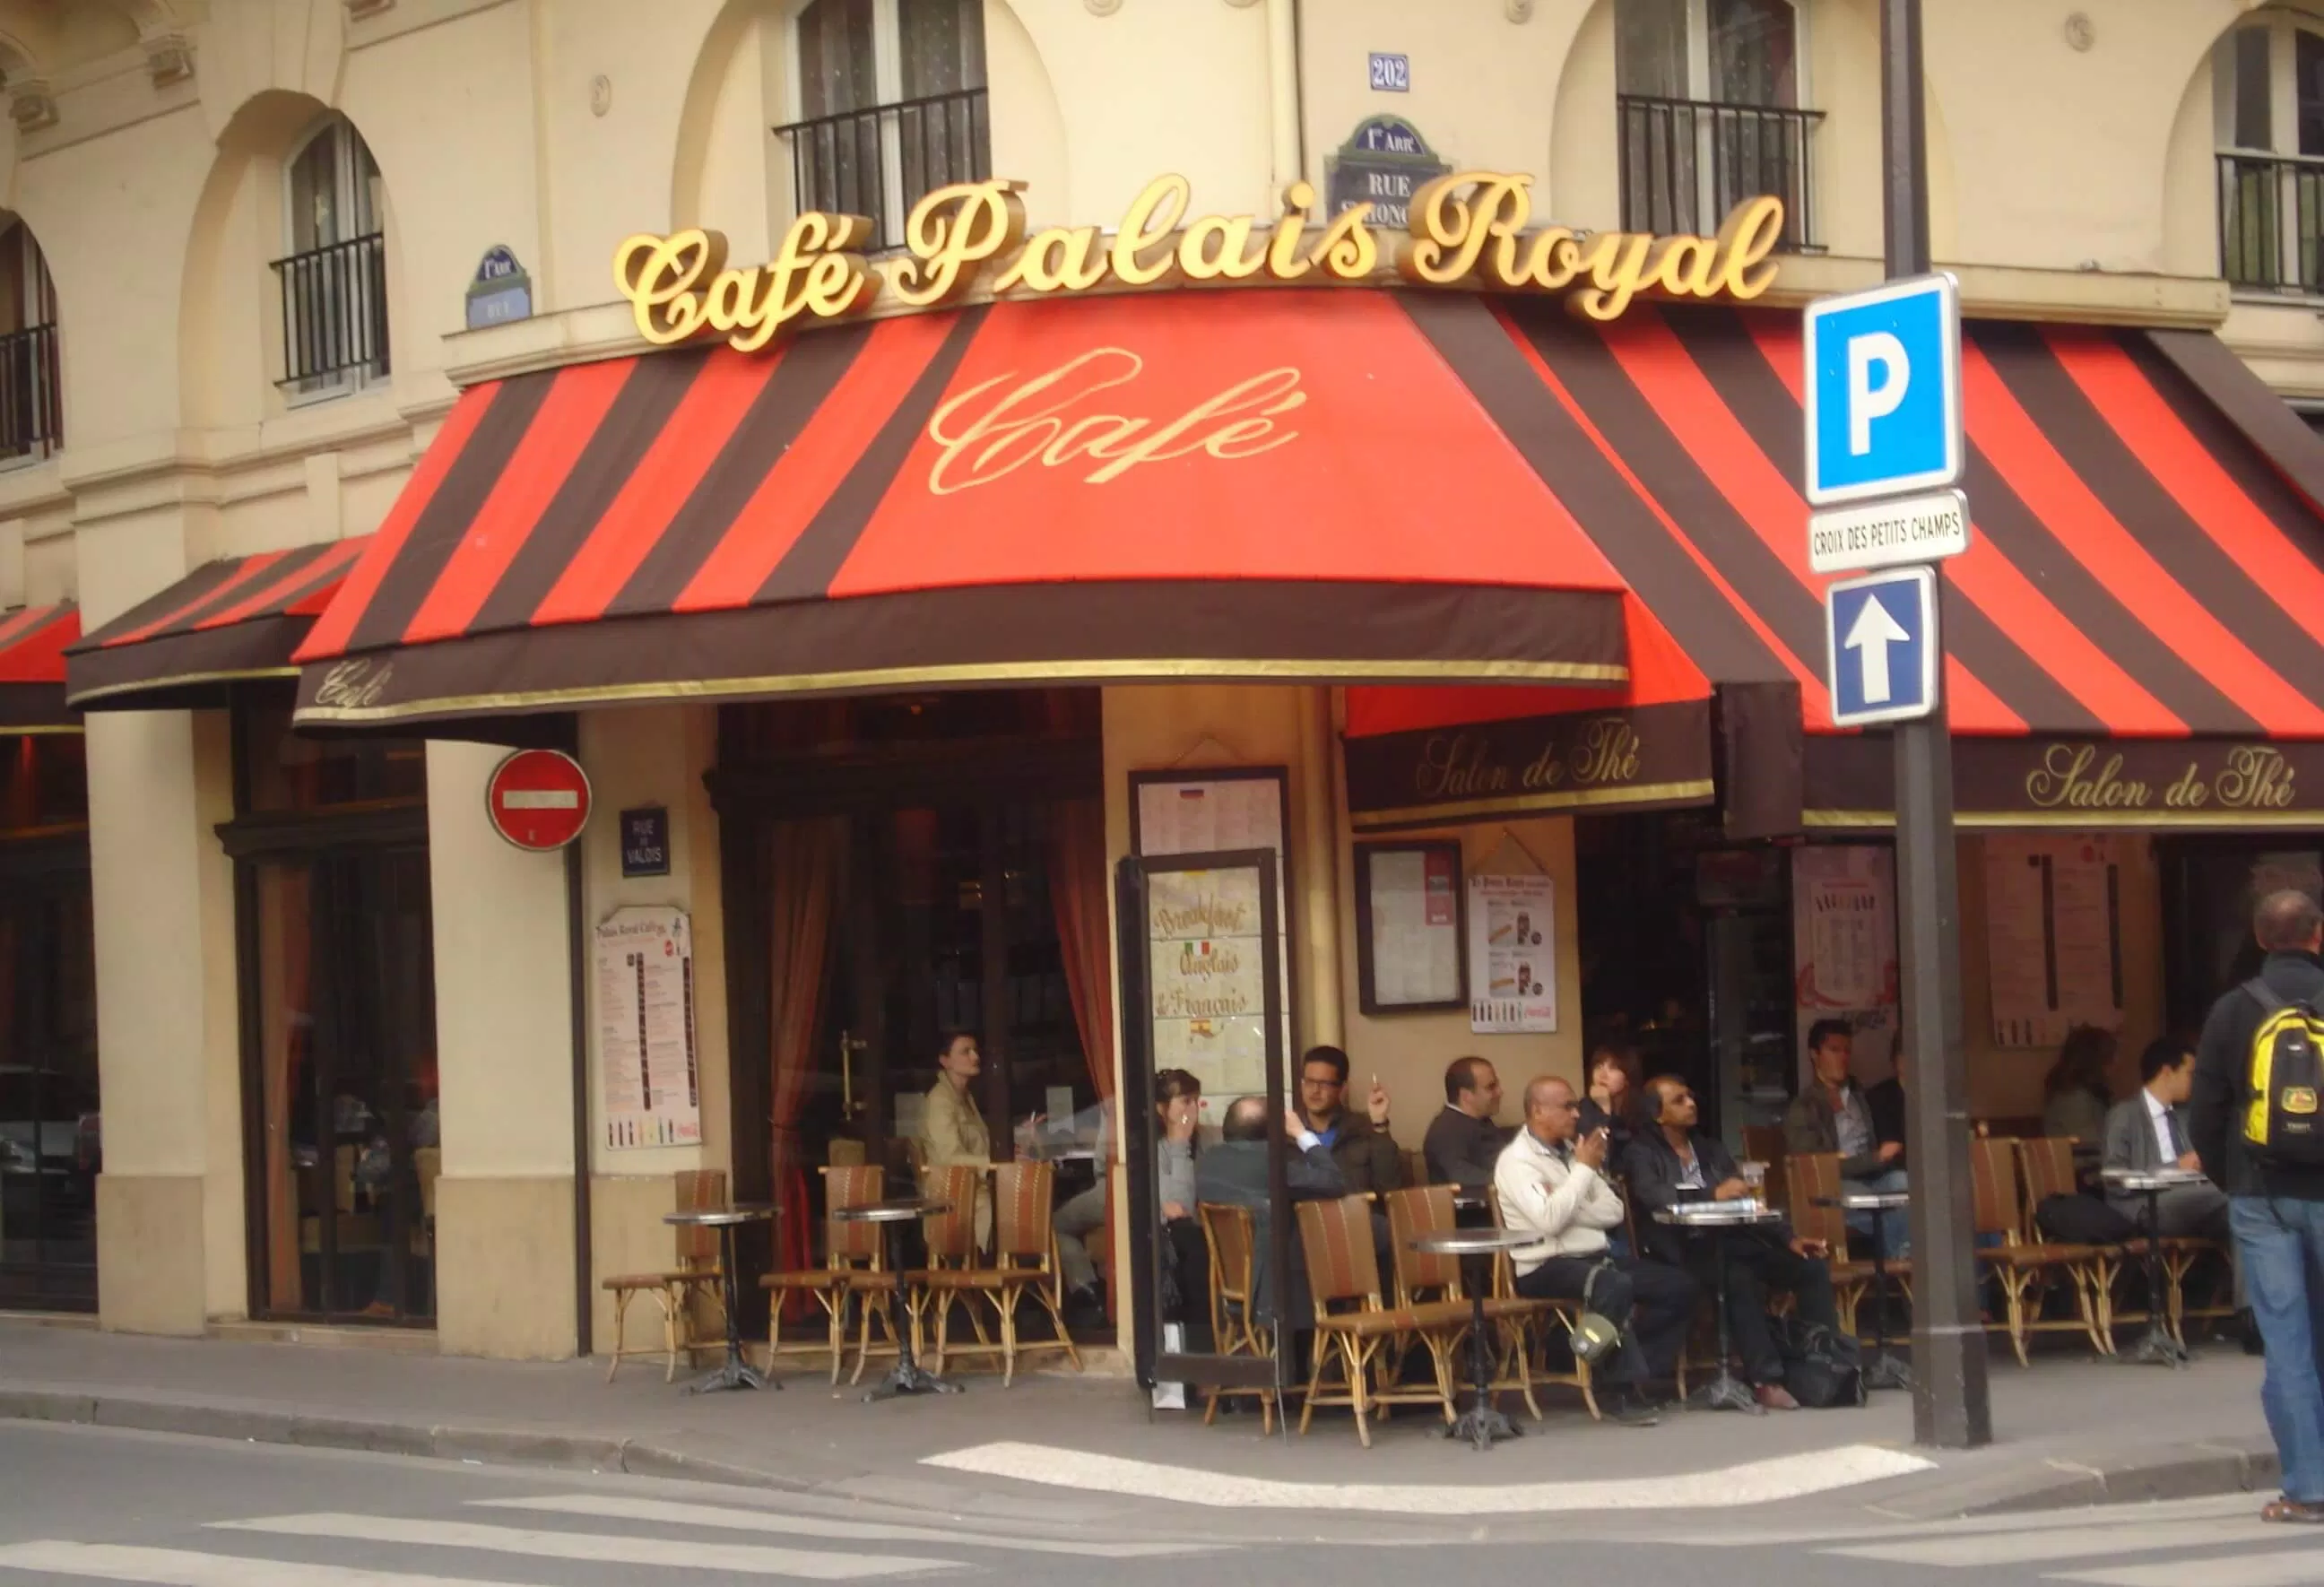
point(1128, 669)
point(2082, 820)
point(180, 680)
point(1645, 793)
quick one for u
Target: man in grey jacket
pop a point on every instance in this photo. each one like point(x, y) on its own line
point(1234, 1171)
point(2149, 1131)
point(1832, 1115)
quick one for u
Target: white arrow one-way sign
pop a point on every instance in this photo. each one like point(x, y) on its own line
point(1880, 633)
point(1871, 634)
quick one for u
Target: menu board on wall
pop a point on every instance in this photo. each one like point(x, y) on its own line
point(2052, 937)
point(1844, 946)
point(1512, 955)
point(1408, 920)
point(1216, 812)
point(644, 971)
point(1206, 965)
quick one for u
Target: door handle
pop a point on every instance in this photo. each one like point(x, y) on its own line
point(850, 1044)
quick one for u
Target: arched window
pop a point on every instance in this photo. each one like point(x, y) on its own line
point(1709, 96)
point(32, 412)
point(892, 102)
point(334, 270)
point(2267, 101)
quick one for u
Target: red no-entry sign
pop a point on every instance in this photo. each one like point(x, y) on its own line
point(539, 800)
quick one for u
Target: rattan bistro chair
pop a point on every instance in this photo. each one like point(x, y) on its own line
point(1235, 1324)
point(854, 1264)
point(1024, 1267)
point(2029, 1270)
point(697, 1273)
point(1813, 1178)
point(1343, 1272)
point(1422, 1276)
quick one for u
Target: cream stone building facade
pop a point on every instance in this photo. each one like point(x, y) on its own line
point(204, 181)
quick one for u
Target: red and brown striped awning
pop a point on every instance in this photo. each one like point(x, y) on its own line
point(228, 622)
point(32, 641)
point(2148, 557)
point(1285, 486)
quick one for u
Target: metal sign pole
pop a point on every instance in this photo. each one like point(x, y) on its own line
point(1951, 1407)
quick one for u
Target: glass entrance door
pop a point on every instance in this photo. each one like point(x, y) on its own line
point(48, 1120)
point(347, 1084)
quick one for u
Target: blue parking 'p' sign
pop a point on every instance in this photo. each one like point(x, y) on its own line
point(1883, 391)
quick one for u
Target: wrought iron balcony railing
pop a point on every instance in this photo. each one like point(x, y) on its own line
point(2272, 222)
point(1686, 163)
point(881, 161)
point(335, 312)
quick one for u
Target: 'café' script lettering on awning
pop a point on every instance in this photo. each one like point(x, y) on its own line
point(1468, 229)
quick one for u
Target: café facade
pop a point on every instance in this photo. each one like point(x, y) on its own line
point(889, 605)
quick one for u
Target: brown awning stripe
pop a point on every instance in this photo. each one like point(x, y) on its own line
point(228, 620)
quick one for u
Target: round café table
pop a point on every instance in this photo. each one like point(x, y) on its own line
point(2158, 1348)
point(1482, 1422)
point(907, 1377)
point(1725, 1391)
point(737, 1374)
point(1884, 1370)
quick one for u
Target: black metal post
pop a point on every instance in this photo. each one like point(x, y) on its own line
point(1952, 1404)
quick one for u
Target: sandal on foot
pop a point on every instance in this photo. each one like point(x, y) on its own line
point(2293, 1509)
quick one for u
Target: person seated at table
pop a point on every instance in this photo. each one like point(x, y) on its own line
point(1177, 1109)
point(1078, 1215)
point(953, 1132)
point(1553, 1187)
point(2077, 1093)
point(1234, 1172)
point(1464, 1144)
point(1368, 1158)
point(2148, 1133)
point(1833, 1116)
point(1611, 1102)
point(1886, 1100)
point(1672, 1163)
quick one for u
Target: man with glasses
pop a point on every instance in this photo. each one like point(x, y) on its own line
point(1553, 1187)
point(1368, 1158)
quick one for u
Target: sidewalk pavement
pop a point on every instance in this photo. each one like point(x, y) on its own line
point(2068, 1431)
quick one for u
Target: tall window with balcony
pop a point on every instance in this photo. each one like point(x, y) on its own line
point(334, 276)
point(1708, 103)
point(2267, 94)
point(891, 98)
point(32, 412)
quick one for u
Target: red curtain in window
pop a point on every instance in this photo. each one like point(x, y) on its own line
point(1078, 869)
point(802, 875)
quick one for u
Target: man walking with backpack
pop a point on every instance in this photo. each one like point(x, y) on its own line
point(2255, 1123)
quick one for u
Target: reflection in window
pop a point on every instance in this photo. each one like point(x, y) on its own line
point(288, 771)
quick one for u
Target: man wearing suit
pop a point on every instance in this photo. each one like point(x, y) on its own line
point(2149, 1131)
point(1669, 1163)
point(1234, 1172)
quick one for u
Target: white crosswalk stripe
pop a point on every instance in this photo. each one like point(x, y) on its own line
point(177, 1567)
point(600, 1547)
point(2298, 1568)
point(2104, 1548)
point(2028, 1547)
point(621, 1506)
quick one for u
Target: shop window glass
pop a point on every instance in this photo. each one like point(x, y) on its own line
point(51, 1129)
point(43, 782)
point(836, 57)
point(1753, 52)
point(288, 771)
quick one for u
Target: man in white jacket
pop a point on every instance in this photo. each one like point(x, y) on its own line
point(1553, 1187)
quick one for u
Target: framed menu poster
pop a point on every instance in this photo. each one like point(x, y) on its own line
point(1513, 946)
point(1410, 956)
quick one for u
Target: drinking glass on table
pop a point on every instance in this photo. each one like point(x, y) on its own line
point(1755, 1179)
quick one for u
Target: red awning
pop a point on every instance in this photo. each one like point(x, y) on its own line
point(229, 621)
point(1284, 485)
point(32, 641)
point(2147, 560)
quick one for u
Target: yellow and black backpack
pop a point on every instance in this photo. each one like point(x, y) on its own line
point(2283, 1110)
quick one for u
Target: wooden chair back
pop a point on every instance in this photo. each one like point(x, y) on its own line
point(951, 1234)
point(1415, 1168)
point(1424, 1208)
point(845, 1153)
point(1024, 1198)
point(1815, 1176)
point(1336, 1237)
point(2047, 1161)
point(698, 1190)
point(854, 1186)
point(1992, 1186)
point(1229, 1231)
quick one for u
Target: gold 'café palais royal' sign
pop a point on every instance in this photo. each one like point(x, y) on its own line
point(1469, 229)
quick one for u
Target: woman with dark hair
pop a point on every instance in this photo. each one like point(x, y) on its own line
point(1611, 1102)
point(2077, 1093)
point(1186, 1253)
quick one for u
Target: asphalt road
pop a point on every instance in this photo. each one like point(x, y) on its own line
point(80, 1505)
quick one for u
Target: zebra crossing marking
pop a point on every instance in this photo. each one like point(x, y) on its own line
point(613, 1507)
point(599, 1548)
point(177, 1567)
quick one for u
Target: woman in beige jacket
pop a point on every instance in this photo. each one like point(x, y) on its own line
point(953, 1132)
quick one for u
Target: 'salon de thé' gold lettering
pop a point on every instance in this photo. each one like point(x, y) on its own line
point(2072, 777)
point(1044, 420)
